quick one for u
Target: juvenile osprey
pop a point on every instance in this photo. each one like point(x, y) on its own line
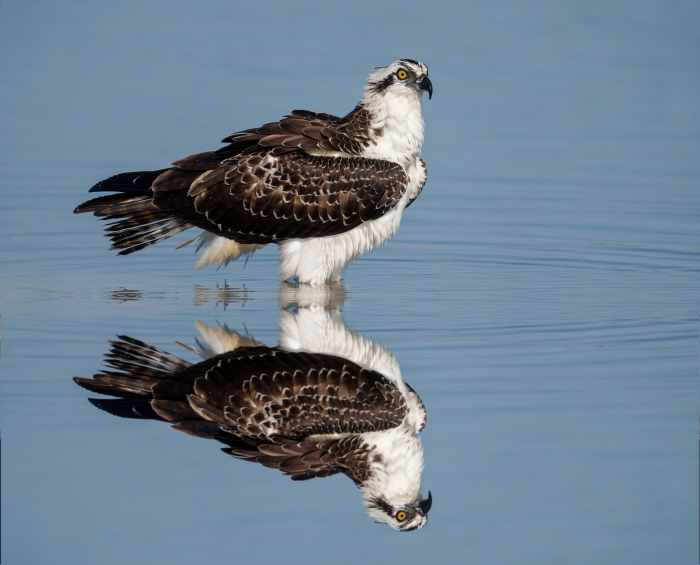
point(307, 414)
point(325, 189)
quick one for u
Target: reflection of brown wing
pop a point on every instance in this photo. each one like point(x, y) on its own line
point(263, 394)
point(308, 460)
point(261, 402)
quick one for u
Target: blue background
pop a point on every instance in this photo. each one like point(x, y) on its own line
point(541, 295)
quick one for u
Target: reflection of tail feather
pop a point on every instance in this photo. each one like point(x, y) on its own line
point(137, 367)
point(152, 387)
point(103, 388)
point(132, 407)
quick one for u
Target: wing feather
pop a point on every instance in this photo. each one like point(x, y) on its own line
point(264, 199)
point(309, 130)
point(264, 188)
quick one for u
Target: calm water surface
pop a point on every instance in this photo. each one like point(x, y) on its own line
point(541, 295)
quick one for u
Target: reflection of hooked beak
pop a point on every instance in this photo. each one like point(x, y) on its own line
point(424, 505)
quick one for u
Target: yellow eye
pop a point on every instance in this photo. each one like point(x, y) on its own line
point(401, 515)
point(402, 74)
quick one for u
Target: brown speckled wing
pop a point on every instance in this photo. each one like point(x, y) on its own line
point(310, 130)
point(262, 198)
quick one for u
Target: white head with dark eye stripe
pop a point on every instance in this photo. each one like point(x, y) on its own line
point(404, 77)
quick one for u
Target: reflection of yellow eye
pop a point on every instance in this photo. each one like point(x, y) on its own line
point(402, 74)
point(401, 515)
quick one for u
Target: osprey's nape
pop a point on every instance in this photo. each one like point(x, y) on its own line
point(326, 189)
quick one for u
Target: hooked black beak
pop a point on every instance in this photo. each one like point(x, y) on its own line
point(424, 505)
point(425, 84)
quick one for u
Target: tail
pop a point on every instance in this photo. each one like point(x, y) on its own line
point(133, 368)
point(137, 223)
point(149, 384)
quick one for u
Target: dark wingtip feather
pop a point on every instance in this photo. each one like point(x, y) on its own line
point(101, 388)
point(137, 182)
point(135, 408)
point(96, 204)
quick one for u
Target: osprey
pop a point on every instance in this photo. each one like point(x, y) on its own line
point(307, 414)
point(326, 189)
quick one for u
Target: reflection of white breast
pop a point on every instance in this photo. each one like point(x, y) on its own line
point(396, 464)
point(318, 330)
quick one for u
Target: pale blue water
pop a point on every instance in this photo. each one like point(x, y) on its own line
point(541, 295)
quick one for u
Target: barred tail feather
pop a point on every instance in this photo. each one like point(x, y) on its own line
point(137, 222)
point(133, 368)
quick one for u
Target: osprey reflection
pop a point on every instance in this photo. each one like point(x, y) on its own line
point(324, 401)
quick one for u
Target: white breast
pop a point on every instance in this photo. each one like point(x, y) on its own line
point(321, 259)
point(396, 127)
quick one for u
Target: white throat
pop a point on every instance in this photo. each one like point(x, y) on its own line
point(396, 126)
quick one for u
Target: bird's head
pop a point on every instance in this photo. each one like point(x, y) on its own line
point(401, 516)
point(405, 77)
